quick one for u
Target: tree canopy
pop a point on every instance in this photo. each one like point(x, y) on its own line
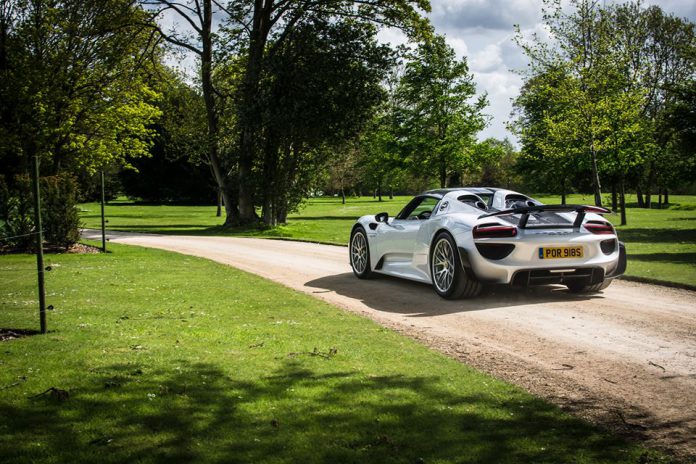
point(74, 84)
point(596, 98)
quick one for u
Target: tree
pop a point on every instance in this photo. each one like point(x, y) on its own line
point(660, 54)
point(176, 169)
point(268, 24)
point(253, 33)
point(199, 38)
point(582, 55)
point(605, 82)
point(493, 164)
point(74, 88)
point(380, 151)
point(439, 117)
point(343, 171)
point(318, 89)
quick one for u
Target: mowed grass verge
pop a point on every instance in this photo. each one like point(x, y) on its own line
point(661, 243)
point(170, 358)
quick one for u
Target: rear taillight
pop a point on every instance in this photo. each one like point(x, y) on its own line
point(494, 231)
point(599, 228)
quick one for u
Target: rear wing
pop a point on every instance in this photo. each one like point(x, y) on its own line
point(525, 211)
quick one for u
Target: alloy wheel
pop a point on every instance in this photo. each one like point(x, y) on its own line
point(443, 265)
point(358, 252)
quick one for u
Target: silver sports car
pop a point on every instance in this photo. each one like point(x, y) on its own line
point(458, 239)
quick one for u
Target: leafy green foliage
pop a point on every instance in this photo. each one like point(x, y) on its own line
point(18, 230)
point(595, 100)
point(319, 87)
point(73, 84)
point(59, 215)
point(178, 167)
point(440, 120)
point(494, 164)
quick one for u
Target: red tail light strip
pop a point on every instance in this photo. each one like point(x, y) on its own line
point(494, 231)
point(599, 228)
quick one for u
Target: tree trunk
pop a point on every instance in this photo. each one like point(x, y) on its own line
point(443, 174)
point(666, 197)
point(622, 199)
point(649, 187)
point(211, 113)
point(272, 179)
point(563, 191)
point(659, 198)
point(281, 213)
point(249, 117)
point(343, 196)
point(639, 196)
point(596, 185)
point(391, 192)
point(219, 202)
point(379, 189)
point(614, 195)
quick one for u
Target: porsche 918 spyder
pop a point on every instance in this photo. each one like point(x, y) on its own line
point(459, 239)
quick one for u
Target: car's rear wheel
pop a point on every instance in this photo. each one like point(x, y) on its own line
point(579, 288)
point(360, 253)
point(450, 279)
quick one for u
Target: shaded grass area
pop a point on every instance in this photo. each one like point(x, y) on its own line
point(170, 358)
point(661, 243)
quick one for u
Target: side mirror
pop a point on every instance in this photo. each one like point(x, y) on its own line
point(382, 217)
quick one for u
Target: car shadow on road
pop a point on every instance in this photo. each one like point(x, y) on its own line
point(390, 294)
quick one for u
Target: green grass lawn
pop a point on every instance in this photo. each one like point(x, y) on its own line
point(170, 358)
point(661, 243)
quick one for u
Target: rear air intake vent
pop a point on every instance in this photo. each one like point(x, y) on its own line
point(608, 246)
point(495, 251)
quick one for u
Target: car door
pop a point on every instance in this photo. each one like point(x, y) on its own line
point(399, 236)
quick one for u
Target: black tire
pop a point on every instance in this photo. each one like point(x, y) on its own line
point(362, 268)
point(579, 288)
point(461, 285)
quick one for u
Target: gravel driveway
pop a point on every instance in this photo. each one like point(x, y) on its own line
point(625, 358)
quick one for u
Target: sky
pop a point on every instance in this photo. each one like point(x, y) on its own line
point(482, 31)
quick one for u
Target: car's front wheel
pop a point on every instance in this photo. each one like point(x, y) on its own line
point(450, 280)
point(360, 253)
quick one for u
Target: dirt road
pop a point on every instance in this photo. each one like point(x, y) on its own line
point(625, 358)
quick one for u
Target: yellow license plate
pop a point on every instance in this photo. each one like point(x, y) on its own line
point(561, 252)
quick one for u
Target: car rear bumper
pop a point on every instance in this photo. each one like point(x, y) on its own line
point(591, 271)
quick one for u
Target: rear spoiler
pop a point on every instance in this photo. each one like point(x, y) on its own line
point(525, 211)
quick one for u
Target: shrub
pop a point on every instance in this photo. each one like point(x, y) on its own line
point(59, 214)
point(19, 224)
point(4, 198)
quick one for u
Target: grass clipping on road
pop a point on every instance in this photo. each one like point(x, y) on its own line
point(160, 357)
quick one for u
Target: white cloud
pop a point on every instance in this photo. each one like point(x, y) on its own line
point(484, 14)
point(391, 36)
point(459, 45)
point(487, 60)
